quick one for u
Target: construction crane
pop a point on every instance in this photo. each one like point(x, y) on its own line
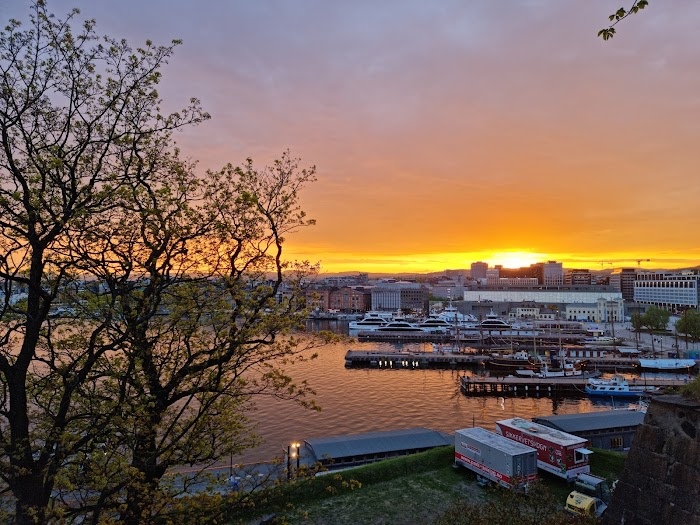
point(603, 263)
point(639, 261)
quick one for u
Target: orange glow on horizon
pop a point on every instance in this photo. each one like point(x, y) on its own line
point(387, 263)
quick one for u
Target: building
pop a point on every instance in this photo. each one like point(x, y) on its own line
point(492, 276)
point(400, 295)
point(351, 299)
point(609, 429)
point(318, 297)
point(513, 282)
point(357, 449)
point(345, 280)
point(578, 278)
point(448, 288)
point(622, 280)
point(674, 291)
point(554, 295)
point(478, 270)
point(553, 273)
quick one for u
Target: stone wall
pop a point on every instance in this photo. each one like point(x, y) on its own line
point(661, 480)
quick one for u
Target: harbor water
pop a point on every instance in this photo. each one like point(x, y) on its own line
point(355, 400)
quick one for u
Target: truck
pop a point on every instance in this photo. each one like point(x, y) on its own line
point(590, 497)
point(593, 486)
point(559, 453)
point(580, 504)
point(495, 458)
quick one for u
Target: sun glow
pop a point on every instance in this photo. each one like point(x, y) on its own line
point(516, 259)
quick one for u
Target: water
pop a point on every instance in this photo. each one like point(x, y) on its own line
point(355, 400)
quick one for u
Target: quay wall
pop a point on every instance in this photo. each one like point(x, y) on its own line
point(660, 482)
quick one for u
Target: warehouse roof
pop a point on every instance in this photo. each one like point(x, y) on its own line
point(376, 443)
point(588, 421)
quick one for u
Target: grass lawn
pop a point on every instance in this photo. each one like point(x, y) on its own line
point(409, 490)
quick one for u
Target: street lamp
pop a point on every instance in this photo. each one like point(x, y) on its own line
point(292, 452)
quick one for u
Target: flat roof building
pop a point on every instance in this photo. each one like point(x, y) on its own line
point(356, 449)
point(608, 429)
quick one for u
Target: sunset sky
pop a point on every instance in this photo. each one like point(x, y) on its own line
point(447, 131)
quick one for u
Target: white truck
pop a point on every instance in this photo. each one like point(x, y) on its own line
point(495, 458)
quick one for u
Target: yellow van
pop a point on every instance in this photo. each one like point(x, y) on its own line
point(582, 505)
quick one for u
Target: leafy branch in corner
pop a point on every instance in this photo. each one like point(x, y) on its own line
point(619, 15)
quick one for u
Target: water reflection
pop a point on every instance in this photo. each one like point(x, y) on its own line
point(362, 400)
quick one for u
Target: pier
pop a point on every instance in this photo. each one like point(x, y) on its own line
point(404, 337)
point(526, 386)
point(411, 360)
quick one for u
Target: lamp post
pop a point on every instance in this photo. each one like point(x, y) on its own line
point(292, 452)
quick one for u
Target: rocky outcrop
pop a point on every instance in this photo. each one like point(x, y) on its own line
point(661, 480)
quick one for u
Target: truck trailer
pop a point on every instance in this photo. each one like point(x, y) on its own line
point(562, 454)
point(495, 458)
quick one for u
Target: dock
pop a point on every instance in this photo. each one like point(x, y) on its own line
point(404, 337)
point(411, 360)
point(526, 386)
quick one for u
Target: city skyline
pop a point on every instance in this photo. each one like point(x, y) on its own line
point(443, 133)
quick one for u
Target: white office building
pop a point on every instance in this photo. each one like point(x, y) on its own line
point(673, 291)
point(542, 296)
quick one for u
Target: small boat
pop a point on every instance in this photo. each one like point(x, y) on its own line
point(516, 361)
point(617, 386)
point(602, 340)
point(568, 369)
point(667, 365)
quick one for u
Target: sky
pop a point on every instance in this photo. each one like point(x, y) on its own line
point(446, 131)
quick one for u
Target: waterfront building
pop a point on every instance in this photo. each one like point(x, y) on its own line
point(400, 295)
point(318, 297)
point(622, 280)
point(350, 299)
point(546, 295)
point(674, 291)
point(581, 312)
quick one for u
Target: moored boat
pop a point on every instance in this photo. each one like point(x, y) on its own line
point(617, 386)
point(371, 321)
point(667, 365)
point(401, 326)
point(515, 361)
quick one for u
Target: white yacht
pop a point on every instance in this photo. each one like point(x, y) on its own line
point(400, 326)
point(371, 321)
point(493, 322)
point(434, 323)
point(453, 316)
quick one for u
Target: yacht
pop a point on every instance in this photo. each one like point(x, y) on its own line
point(493, 322)
point(400, 326)
point(453, 316)
point(434, 323)
point(371, 321)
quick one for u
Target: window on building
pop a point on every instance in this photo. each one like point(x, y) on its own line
point(616, 442)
